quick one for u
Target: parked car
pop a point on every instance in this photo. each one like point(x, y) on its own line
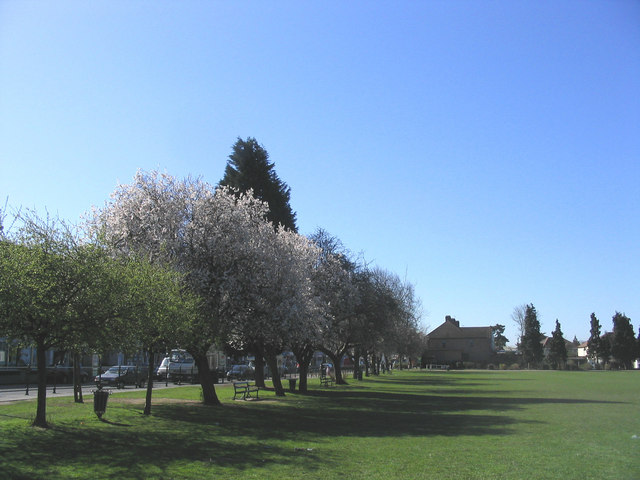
point(62, 374)
point(121, 375)
point(163, 369)
point(182, 367)
point(241, 372)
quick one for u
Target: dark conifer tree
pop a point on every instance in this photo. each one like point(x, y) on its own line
point(248, 167)
point(499, 340)
point(530, 343)
point(606, 341)
point(558, 348)
point(623, 346)
point(594, 345)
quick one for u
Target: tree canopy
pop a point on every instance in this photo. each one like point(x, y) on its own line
point(557, 348)
point(56, 291)
point(623, 345)
point(530, 342)
point(499, 340)
point(249, 169)
point(594, 344)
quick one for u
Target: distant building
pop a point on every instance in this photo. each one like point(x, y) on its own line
point(583, 350)
point(451, 343)
point(576, 351)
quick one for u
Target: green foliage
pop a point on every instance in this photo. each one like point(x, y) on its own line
point(499, 340)
point(249, 168)
point(59, 292)
point(594, 345)
point(623, 346)
point(530, 342)
point(56, 291)
point(557, 348)
point(161, 307)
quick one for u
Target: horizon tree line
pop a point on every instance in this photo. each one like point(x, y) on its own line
point(618, 348)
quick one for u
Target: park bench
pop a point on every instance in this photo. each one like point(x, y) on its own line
point(431, 366)
point(245, 390)
point(326, 380)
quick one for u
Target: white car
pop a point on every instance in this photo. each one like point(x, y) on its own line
point(161, 371)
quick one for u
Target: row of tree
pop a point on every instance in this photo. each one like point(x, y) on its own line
point(619, 346)
point(169, 262)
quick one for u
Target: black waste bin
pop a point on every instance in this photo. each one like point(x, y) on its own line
point(360, 375)
point(100, 398)
point(292, 384)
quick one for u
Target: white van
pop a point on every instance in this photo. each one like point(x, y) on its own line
point(182, 367)
point(161, 371)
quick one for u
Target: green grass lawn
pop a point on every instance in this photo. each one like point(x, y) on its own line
point(409, 425)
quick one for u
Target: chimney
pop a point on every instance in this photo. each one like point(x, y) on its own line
point(450, 319)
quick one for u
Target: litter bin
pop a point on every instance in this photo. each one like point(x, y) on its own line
point(360, 375)
point(100, 398)
point(292, 384)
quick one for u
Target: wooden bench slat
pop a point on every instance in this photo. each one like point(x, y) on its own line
point(245, 389)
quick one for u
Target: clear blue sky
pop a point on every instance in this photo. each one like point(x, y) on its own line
point(489, 151)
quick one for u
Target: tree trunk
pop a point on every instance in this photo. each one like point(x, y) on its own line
point(259, 367)
point(356, 362)
point(209, 396)
point(302, 378)
point(367, 365)
point(303, 357)
point(41, 410)
point(336, 358)
point(272, 361)
point(147, 402)
point(77, 379)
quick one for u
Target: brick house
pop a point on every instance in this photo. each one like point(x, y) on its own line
point(451, 343)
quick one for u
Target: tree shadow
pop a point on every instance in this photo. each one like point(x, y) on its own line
point(127, 453)
point(115, 424)
point(241, 435)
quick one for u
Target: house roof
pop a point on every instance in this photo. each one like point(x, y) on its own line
point(451, 329)
point(570, 345)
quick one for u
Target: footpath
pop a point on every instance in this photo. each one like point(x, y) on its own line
point(15, 393)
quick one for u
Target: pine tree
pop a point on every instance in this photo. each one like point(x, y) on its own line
point(530, 343)
point(499, 340)
point(594, 345)
point(248, 167)
point(558, 348)
point(623, 346)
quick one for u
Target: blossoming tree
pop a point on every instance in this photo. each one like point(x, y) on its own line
point(252, 278)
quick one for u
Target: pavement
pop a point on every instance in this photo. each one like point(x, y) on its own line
point(14, 393)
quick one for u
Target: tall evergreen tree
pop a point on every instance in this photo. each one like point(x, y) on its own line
point(248, 167)
point(594, 345)
point(530, 342)
point(606, 341)
point(623, 346)
point(558, 348)
point(499, 340)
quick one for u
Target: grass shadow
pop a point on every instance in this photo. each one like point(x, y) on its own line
point(241, 436)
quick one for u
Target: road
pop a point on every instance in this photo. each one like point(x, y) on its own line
point(13, 393)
